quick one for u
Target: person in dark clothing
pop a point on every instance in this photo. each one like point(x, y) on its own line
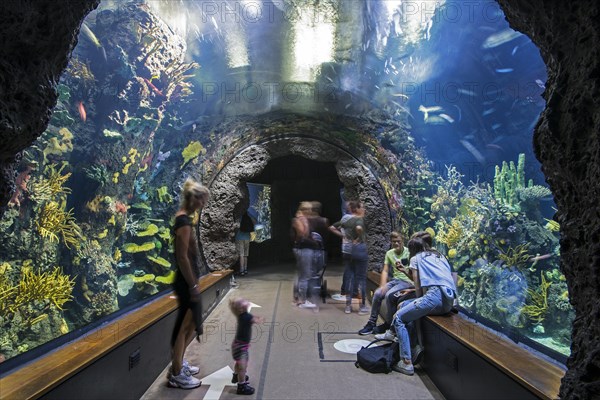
point(189, 318)
point(241, 343)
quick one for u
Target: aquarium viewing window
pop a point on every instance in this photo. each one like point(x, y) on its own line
point(446, 96)
point(260, 211)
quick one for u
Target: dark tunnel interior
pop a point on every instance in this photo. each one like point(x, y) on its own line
point(294, 179)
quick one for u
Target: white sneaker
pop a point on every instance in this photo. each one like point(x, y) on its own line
point(192, 368)
point(338, 297)
point(184, 380)
point(307, 304)
point(364, 310)
point(406, 369)
point(388, 335)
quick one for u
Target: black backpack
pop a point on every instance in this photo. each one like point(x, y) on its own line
point(246, 224)
point(378, 359)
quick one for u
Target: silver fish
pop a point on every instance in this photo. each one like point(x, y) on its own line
point(476, 153)
point(499, 38)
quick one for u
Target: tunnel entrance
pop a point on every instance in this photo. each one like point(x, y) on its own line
point(294, 179)
point(297, 168)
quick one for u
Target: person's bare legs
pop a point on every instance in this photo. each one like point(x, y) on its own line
point(240, 370)
point(184, 338)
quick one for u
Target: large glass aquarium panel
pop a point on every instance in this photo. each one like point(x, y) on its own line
point(260, 211)
point(157, 91)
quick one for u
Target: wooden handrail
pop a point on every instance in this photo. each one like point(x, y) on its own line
point(538, 375)
point(34, 379)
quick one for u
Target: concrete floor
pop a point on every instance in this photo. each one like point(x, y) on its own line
point(292, 355)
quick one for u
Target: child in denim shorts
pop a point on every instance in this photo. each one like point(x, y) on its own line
point(241, 343)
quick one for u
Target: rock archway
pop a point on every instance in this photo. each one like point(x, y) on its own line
point(229, 194)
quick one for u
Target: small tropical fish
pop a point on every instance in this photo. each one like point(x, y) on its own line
point(496, 126)
point(427, 110)
point(400, 95)
point(499, 38)
point(488, 111)
point(154, 88)
point(435, 120)
point(90, 35)
point(447, 117)
point(504, 70)
point(540, 83)
point(467, 92)
point(494, 146)
point(540, 257)
point(514, 50)
point(81, 110)
point(476, 153)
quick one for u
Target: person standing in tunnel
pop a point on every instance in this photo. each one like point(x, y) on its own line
point(242, 241)
point(359, 259)
point(189, 318)
point(304, 251)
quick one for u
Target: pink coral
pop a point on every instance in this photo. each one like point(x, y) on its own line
point(21, 183)
point(121, 207)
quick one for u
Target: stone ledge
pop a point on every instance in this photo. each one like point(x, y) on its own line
point(45, 373)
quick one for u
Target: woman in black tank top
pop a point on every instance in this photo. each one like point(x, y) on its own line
point(188, 323)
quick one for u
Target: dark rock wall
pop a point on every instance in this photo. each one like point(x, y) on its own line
point(37, 40)
point(567, 143)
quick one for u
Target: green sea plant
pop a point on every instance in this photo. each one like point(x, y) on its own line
point(514, 256)
point(137, 248)
point(537, 304)
point(149, 231)
point(53, 221)
point(163, 195)
point(98, 173)
point(552, 225)
point(191, 151)
point(508, 180)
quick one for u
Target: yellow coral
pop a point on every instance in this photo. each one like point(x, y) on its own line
point(58, 147)
point(538, 302)
point(133, 154)
point(94, 204)
point(117, 255)
point(54, 287)
point(430, 231)
point(451, 253)
point(103, 234)
point(112, 220)
point(53, 220)
point(135, 248)
point(453, 235)
point(5, 267)
point(115, 177)
point(515, 256)
point(192, 151)
point(160, 261)
point(144, 278)
point(43, 189)
point(166, 279)
point(150, 230)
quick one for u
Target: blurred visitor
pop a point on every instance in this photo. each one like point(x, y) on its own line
point(189, 318)
point(304, 250)
point(338, 229)
point(359, 258)
point(242, 241)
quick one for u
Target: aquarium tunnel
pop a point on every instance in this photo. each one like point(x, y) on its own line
point(457, 118)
